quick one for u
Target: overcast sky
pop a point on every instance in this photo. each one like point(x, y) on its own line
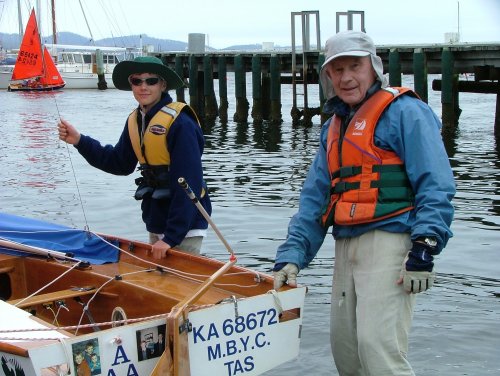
point(231, 22)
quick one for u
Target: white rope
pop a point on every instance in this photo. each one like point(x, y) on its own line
point(69, 357)
point(182, 274)
point(47, 285)
point(199, 278)
point(186, 275)
point(82, 326)
point(277, 301)
point(86, 306)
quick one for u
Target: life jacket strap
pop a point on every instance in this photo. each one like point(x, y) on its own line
point(399, 179)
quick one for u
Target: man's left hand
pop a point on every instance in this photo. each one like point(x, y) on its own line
point(416, 274)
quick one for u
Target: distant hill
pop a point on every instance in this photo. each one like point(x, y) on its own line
point(11, 41)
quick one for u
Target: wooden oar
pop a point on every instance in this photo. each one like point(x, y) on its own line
point(166, 366)
point(183, 183)
point(173, 367)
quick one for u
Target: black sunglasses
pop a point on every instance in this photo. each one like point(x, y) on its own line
point(150, 81)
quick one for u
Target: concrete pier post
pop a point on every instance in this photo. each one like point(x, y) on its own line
point(266, 95)
point(449, 91)
point(275, 116)
point(209, 92)
point(222, 74)
point(394, 68)
point(179, 69)
point(256, 90)
point(242, 105)
point(101, 79)
point(420, 74)
point(196, 87)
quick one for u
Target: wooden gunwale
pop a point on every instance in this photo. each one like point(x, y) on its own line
point(141, 286)
point(132, 283)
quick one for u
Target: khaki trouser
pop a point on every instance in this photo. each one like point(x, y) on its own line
point(190, 245)
point(371, 315)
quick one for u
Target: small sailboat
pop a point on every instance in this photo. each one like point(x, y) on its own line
point(70, 297)
point(34, 65)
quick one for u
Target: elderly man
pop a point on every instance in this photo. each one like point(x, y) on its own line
point(381, 178)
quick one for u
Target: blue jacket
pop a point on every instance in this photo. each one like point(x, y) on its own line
point(172, 217)
point(412, 130)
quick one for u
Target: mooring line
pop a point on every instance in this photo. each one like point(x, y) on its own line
point(86, 228)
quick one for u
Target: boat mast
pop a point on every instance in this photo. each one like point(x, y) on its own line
point(38, 17)
point(88, 27)
point(20, 20)
point(38, 25)
point(54, 34)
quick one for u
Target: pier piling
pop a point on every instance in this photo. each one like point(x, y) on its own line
point(222, 75)
point(209, 92)
point(420, 74)
point(394, 68)
point(270, 70)
point(449, 91)
point(257, 90)
point(240, 89)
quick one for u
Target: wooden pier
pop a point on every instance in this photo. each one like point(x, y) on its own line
point(271, 69)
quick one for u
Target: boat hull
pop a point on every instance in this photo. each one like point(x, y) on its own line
point(76, 80)
point(217, 318)
point(21, 87)
point(73, 80)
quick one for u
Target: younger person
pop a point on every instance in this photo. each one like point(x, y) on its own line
point(166, 139)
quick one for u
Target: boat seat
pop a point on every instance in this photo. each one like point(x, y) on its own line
point(52, 296)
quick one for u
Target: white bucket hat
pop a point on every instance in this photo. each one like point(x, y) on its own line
point(349, 43)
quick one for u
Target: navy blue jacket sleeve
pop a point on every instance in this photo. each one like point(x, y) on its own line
point(118, 160)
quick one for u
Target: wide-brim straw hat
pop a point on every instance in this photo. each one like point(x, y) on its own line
point(349, 43)
point(145, 64)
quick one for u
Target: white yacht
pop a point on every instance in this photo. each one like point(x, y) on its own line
point(79, 65)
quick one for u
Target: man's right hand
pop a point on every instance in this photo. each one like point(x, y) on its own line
point(285, 273)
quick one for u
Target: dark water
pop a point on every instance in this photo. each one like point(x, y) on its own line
point(255, 174)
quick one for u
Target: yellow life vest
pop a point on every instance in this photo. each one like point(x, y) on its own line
point(152, 149)
point(152, 152)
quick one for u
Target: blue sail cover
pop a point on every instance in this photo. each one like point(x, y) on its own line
point(83, 245)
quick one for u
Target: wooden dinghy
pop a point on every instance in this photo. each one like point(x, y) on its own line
point(80, 303)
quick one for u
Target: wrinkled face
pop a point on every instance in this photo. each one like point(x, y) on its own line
point(351, 77)
point(147, 89)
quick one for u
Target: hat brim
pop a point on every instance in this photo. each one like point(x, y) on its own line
point(124, 69)
point(347, 53)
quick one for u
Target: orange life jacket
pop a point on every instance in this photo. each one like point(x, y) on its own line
point(367, 183)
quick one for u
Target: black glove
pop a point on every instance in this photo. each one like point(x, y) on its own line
point(420, 258)
point(416, 274)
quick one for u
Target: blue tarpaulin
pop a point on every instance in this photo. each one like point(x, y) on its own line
point(83, 245)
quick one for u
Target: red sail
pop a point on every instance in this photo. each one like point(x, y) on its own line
point(52, 75)
point(29, 60)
